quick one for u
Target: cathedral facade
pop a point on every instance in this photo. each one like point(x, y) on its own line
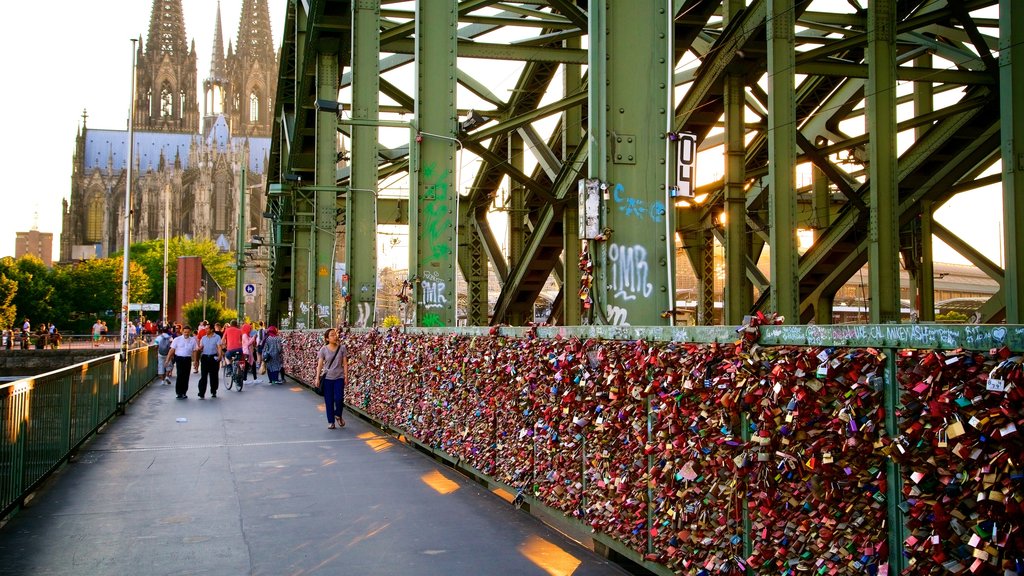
point(187, 169)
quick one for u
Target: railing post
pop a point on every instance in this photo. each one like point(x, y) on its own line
point(893, 475)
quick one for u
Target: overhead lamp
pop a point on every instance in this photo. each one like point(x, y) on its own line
point(289, 177)
point(324, 105)
point(473, 120)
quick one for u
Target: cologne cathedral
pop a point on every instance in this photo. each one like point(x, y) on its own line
point(187, 166)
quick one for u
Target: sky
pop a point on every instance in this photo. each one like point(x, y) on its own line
point(70, 56)
point(77, 56)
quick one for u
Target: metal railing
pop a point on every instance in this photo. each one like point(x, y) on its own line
point(75, 341)
point(46, 418)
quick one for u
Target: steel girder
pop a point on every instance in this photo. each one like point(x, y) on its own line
point(957, 136)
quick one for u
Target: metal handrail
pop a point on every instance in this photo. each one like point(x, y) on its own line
point(47, 417)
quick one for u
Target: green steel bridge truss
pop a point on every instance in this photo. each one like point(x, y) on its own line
point(891, 108)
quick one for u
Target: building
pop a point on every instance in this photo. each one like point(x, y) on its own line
point(35, 243)
point(188, 164)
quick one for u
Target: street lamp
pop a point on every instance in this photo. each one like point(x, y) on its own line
point(202, 290)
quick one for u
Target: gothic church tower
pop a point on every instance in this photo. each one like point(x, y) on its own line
point(166, 77)
point(252, 72)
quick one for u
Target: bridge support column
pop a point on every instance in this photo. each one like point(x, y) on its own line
point(434, 202)
point(572, 135)
point(631, 86)
point(883, 232)
point(325, 193)
point(360, 203)
point(781, 33)
point(739, 292)
point(1011, 75)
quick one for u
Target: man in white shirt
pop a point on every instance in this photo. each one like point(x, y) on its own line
point(183, 350)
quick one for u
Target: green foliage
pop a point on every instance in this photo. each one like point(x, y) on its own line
point(150, 255)
point(92, 289)
point(34, 288)
point(951, 317)
point(215, 312)
point(8, 288)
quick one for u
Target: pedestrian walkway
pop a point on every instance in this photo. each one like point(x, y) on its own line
point(253, 482)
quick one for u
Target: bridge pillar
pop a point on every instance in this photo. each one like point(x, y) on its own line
point(434, 202)
point(781, 34)
point(325, 194)
point(1011, 92)
point(630, 85)
point(360, 202)
point(883, 232)
point(572, 135)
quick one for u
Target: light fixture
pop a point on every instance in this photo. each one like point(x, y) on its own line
point(472, 120)
point(323, 105)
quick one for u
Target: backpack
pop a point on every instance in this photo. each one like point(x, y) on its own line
point(163, 344)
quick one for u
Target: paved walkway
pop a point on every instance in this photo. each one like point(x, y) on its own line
point(253, 482)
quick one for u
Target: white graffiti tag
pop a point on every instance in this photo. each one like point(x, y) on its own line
point(629, 271)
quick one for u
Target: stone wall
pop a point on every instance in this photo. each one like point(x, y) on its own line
point(34, 362)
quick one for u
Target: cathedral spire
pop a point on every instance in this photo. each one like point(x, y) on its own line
point(165, 89)
point(255, 40)
point(218, 69)
point(167, 28)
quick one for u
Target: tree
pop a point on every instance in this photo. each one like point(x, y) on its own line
point(34, 287)
point(8, 312)
point(150, 256)
point(92, 289)
point(215, 312)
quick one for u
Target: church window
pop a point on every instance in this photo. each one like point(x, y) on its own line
point(166, 101)
point(182, 102)
point(94, 220)
point(254, 107)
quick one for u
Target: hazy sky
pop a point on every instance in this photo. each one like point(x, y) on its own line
point(76, 55)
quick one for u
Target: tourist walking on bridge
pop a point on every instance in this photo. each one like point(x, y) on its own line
point(273, 356)
point(183, 349)
point(332, 363)
point(211, 353)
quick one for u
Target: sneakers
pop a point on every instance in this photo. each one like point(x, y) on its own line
point(213, 395)
point(202, 396)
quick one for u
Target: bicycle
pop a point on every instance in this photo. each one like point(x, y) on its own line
point(235, 371)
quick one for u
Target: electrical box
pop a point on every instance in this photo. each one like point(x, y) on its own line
point(590, 208)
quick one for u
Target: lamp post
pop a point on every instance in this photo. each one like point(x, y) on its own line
point(167, 237)
point(202, 290)
point(125, 319)
point(240, 250)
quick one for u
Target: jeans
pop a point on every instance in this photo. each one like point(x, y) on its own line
point(334, 397)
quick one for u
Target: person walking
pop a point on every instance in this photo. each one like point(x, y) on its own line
point(232, 343)
point(183, 350)
point(163, 346)
point(332, 363)
point(249, 349)
point(273, 356)
point(211, 352)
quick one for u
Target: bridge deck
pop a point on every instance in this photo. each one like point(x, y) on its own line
point(255, 483)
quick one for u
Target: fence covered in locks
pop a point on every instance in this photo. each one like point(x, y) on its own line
point(778, 449)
